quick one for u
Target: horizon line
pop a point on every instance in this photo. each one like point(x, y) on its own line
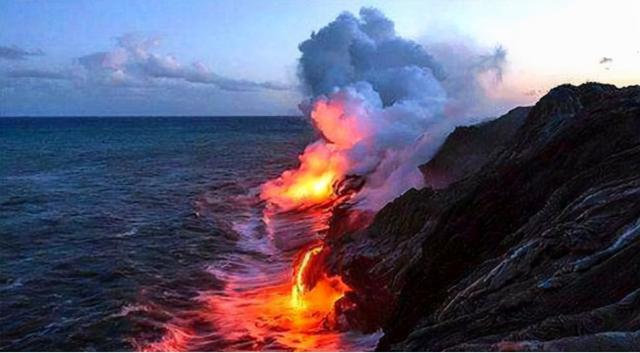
point(146, 116)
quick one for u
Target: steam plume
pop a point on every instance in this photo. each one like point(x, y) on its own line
point(382, 104)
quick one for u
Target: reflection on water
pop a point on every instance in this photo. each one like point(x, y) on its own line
point(269, 300)
point(127, 233)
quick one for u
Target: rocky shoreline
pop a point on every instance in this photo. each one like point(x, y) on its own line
point(527, 239)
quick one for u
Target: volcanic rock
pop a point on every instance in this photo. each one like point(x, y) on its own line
point(536, 246)
point(468, 148)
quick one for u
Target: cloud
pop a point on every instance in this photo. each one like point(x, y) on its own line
point(135, 77)
point(605, 60)
point(199, 73)
point(40, 74)
point(134, 62)
point(16, 53)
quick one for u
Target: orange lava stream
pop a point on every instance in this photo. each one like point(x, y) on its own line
point(318, 296)
point(265, 309)
point(267, 313)
point(322, 165)
point(298, 288)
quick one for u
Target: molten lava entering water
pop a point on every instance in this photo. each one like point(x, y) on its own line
point(299, 286)
point(265, 305)
point(323, 166)
point(324, 163)
point(312, 183)
point(274, 300)
point(312, 289)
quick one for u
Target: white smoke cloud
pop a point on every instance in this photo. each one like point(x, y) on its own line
point(472, 74)
point(352, 49)
point(400, 99)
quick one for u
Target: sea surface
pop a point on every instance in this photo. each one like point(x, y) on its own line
point(142, 233)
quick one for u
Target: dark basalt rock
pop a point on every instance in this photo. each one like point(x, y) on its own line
point(468, 148)
point(535, 248)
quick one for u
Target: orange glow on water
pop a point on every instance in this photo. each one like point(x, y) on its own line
point(284, 301)
point(262, 320)
point(284, 304)
point(323, 165)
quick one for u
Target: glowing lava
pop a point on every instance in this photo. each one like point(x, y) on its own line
point(256, 310)
point(312, 290)
point(312, 183)
point(298, 288)
point(265, 305)
point(323, 163)
point(323, 166)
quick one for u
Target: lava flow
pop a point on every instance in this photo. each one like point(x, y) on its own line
point(379, 105)
point(312, 289)
point(277, 294)
point(299, 286)
point(324, 163)
point(323, 167)
point(272, 299)
point(316, 188)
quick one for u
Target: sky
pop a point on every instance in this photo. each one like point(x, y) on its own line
point(188, 57)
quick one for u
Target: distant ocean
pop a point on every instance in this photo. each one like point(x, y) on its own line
point(109, 226)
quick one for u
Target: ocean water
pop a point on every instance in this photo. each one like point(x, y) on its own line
point(143, 233)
